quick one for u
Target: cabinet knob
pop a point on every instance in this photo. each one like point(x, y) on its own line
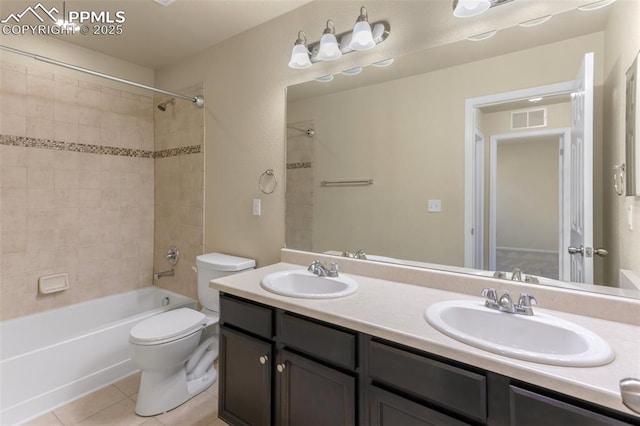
point(280, 368)
point(263, 359)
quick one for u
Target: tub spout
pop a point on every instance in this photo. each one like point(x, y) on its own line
point(159, 275)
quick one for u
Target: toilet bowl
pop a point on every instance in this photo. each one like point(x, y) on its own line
point(175, 350)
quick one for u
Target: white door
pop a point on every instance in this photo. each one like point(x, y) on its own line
point(581, 171)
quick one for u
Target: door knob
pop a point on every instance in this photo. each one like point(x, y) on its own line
point(575, 250)
point(601, 252)
point(280, 368)
point(263, 359)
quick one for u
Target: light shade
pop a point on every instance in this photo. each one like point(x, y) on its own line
point(300, 54)
point(468, 8)
point(361, 37)
point(329, 49)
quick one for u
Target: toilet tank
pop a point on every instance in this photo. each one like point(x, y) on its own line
point(215, 265)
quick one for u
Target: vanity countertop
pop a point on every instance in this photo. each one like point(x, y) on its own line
point(395, 311)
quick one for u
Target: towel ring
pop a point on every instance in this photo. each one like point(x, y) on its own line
point(618, 178)
point(268, 172)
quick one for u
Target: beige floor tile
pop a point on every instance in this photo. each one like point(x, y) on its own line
point(89, 405)
point(129, 385)
point(152, 422)
point(213, 389)
point(219, 422)
point(48, 419)
point(202, 410)
point(119, 414)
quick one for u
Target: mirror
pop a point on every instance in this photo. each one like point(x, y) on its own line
point(376, 162)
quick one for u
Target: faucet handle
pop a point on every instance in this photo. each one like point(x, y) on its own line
point(526, 300)
point(492, 297)
point(333, 269)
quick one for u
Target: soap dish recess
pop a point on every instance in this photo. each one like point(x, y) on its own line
point(53, 283)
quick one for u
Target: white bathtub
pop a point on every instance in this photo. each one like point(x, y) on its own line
point(50, 358)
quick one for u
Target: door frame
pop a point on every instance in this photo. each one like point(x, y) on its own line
point(471, 107)
point(564, 226)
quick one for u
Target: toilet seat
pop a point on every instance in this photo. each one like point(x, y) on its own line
point(168, 326)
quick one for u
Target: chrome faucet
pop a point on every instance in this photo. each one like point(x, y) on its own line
point(317, 268)
point(505, 303)
point(158, 275)
point(360, 255)
point(516, 274)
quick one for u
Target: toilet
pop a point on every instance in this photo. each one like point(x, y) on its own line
point(175, 350)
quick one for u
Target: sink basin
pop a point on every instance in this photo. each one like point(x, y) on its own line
point(539, 338)
point(304, 284)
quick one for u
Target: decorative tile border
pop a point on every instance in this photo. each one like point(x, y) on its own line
point(95, 149)
point(291, 166)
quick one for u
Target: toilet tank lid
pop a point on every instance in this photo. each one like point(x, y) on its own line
point(167, 325)
point(224, 262)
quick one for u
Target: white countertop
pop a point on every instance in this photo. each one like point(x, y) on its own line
point(395, 311)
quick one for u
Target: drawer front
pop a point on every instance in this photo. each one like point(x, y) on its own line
point(318, 340)
point(453, 388)
point(246, 315)
point(532, 409)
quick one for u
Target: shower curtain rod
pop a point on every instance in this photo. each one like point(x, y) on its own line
point(197, 100)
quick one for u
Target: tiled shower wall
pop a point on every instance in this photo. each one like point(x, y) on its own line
point(179, 189)
point(76, 188)
point(299, 196)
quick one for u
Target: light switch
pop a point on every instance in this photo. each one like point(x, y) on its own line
point(434, 206)
point(256, 207)
point(630, 217)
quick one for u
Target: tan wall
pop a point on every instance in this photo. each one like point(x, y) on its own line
point(408, 135)
point(89, 214)
point(527, 194)
point(622, 45)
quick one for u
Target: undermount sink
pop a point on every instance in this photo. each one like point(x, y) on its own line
point(538, 338)
point(304, 284)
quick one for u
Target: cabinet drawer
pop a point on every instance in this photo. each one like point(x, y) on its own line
point(452, 388)
point(248, 316)
point(318, 340)
point(530, 408)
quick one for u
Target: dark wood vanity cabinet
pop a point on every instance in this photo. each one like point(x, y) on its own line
point(285, 369)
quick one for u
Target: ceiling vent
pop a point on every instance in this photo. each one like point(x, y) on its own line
point(525, 119)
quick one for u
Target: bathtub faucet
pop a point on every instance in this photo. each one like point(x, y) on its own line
point(159, 275)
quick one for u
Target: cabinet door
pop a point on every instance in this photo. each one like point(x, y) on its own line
point(387, 409)
point(245, 379)
point(312, 394)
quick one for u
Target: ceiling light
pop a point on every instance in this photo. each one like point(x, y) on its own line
point(352, 71)
point(164, 2)
point(329, 49)
point(383, 63)
point(325, 78)
point(362, 37)
point(483, 36)
point(534, 22)
point(300, 54)
point(595, 5)
point(468, 8)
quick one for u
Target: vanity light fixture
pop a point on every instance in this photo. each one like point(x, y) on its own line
point(535, 100)
point(300, 54)
point(536, 21)
point(325, 78)
point(331, 46)
point(329, 49)
point(352, 71)
point(383, 63)
point(63, 23)
point(469, 8)
point(595, 5)
point(483, 36)
point(362, 36)
point(164, 3)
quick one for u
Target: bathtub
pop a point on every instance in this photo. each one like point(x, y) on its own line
point(50, 358)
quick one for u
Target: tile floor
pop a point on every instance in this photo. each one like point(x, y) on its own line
point(114, 405)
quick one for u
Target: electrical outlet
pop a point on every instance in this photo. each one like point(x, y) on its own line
point(434, 206)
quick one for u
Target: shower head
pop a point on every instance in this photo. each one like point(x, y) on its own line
point(163, 105)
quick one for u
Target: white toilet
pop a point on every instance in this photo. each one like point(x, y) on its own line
point(176, 365)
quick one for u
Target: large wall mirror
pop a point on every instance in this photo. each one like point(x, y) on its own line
point(463, 157)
